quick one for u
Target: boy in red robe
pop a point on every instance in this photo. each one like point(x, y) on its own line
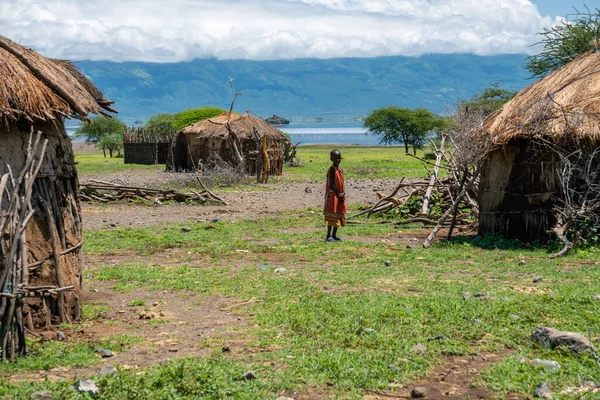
point(335, 198)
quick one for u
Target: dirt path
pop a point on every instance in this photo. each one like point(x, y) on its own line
point(268, 200)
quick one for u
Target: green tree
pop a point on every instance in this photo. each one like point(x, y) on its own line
point(98, 128)
point(403, 125)
point(182, 119)
point(111, 142)
point(577, 34)
point(193, 115)
point(489, 100)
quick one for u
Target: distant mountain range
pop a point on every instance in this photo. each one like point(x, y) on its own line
point(341, 89)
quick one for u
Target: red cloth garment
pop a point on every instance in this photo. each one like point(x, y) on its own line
point(335, 209)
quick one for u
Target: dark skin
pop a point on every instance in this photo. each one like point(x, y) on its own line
point(336, 159)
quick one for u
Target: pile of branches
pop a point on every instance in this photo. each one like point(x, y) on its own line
point(454, 195)
point(106, 192)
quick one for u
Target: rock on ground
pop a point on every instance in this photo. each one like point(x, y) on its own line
point(552, 338)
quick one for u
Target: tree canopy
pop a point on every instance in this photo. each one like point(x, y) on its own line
point(489, 100)
point(106, 133)
point(184, 118)
point(577, 34)
point(403, 125)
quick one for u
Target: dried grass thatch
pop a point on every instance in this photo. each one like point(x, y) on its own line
point(245, 126)
point(36, 88)
point(563, 106)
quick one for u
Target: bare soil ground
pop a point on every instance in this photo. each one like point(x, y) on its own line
point(185, 324)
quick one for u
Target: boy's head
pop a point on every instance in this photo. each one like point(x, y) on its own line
point(336, 157)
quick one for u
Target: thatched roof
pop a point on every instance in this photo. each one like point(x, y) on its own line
point(563, 105)
point(243, 126)
point(41, 89)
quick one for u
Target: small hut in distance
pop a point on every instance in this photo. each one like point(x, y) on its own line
point(197, 143)
point(520, 181)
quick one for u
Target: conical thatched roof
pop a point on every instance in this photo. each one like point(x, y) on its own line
point(242, 125)
point(40, 89)
point(563, 105)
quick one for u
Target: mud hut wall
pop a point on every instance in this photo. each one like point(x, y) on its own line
point(55, 190)
point(517, 191)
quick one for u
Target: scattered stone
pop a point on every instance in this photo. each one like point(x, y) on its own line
point(106, 353)
point(515, 317)
point(408, 246)
point(552, 338)
point(438, 338)
point(467, 295)
point(279, 335)
point(112, 225)
point(284, 398)
point(585, 387)
point(543, 391)
point(215, 220)
point(419, 348)
point(173, 350)
point(60, 335)
point(108, 370)
point(597, 297)
point(476, 321)
point(121, 311)
point(522, 260)
point(249, 376)
point(367, 331)
point(186, 229)
point(387, 263)
point(537, 279)
point(307, 190)
point(42, 395)
point(225, 349)
point(280, 270)
point(146, 315)
point(87, 386)
point(155, 303)
point(395, 368)
point(418, 392)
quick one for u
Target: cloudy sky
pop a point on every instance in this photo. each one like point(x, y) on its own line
point(177, 30)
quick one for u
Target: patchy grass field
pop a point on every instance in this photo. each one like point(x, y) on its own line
point(188, 313)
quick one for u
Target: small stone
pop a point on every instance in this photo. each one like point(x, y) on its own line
point(225, 349)
point(367, 331)
point(552, 338)
point(597, 297)
point(186, 229)
point(280, 270)
point(215, 220)
point(155, 303)
point(419, 348)
point(284, 398)
point(387, 263)
point(87, 386)
point(515, 317)
point(418, 392)
point(60, 335)
point(121, 311)
point(307, 190)
point(537, 279)
point(173, 350)
point(108, 370)
point(477, 321)
point(543, 391)
point(438, 338)
point(42, 395)
point(395, 368)
point(106, 353)
point(467, 295)
point(249, 376)
point(112, 225)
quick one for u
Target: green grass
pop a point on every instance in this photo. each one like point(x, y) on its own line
point(345, 317)
point(94, 163)
point(358, 163)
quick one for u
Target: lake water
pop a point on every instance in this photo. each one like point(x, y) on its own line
point(327, 133)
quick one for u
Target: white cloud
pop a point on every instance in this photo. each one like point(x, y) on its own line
point(175, 30)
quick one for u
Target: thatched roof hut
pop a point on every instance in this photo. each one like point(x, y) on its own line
point(37, 93)
point(519, 183)
point(197, 143)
